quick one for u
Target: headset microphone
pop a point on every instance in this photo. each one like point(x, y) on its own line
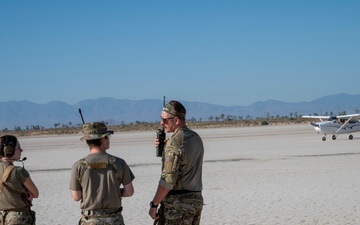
point(22, 160)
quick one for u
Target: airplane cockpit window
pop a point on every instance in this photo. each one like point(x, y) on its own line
point(332, 118)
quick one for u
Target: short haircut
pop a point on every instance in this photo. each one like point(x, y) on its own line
point(179, 108)
point(95, 142)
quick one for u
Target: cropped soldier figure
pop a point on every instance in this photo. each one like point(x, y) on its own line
point(180, 185)
point(100, 180)
point(16, 188)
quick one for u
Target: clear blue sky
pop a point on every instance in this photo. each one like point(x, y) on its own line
point(231, 52)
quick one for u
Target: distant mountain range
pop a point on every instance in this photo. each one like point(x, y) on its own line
point(116, 111)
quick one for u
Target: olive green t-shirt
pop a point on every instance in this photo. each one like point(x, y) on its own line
point(182, 161)
point(100, 187)
point(9, 199)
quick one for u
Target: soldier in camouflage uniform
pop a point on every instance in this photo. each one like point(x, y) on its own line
point(100, 180)
point(16, 187)
point(180, 185)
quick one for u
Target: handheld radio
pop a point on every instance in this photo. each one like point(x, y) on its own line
point(161, 136)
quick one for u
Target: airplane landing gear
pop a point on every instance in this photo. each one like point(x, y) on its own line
point(334, 137)
point(350, 137)
point(324, 138)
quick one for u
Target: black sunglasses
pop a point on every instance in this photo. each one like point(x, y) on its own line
point(165, 120)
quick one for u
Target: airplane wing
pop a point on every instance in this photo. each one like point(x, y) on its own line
point(317, 117)
point(321, 118)
point(350, 116)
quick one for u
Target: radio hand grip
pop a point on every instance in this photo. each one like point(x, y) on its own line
point(161, 136)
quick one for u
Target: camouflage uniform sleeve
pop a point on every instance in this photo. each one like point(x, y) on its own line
point(172, 160)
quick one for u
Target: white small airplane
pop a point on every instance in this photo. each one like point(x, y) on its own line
point(335, 125)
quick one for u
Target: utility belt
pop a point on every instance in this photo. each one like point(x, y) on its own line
point(180, 192)
point(101, 212)
point(24, 209)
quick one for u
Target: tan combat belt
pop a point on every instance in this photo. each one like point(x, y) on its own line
point(100, 212)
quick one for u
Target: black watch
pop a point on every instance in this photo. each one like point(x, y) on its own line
point(152, 205)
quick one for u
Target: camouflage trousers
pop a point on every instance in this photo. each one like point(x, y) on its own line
point(17, 217)
point(111, 219)
point(181, 209)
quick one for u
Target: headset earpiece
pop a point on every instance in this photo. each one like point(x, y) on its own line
point(9, 147)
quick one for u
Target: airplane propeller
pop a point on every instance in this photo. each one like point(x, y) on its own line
point(315, 124)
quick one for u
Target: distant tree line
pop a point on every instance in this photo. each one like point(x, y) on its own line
point(222, 119)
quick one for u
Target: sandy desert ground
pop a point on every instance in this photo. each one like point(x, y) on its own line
point(273, 175)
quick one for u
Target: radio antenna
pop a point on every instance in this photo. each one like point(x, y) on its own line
point(82, 118)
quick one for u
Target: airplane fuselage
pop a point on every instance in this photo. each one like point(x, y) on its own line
point(332, 127)
point(335, 125)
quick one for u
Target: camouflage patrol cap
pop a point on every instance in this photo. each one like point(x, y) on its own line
point(168, 108)
point(96, 130)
